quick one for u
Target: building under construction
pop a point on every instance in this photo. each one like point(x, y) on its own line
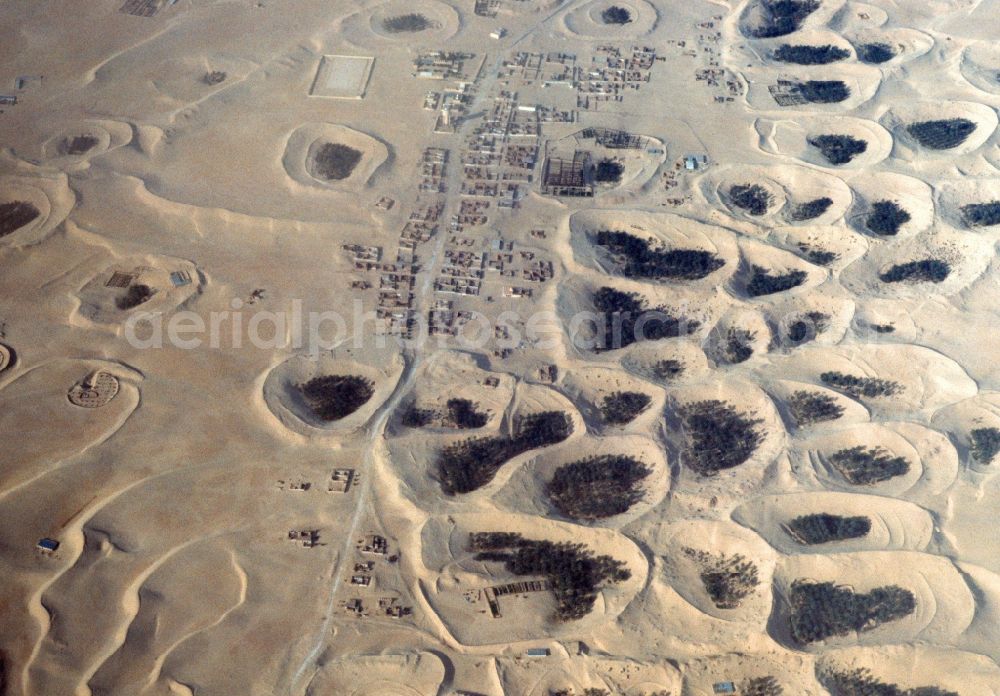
point(568, 177)
point(614, 139)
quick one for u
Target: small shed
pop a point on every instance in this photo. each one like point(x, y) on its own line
point(47, 544)
point(724, 687)
point(538, 652)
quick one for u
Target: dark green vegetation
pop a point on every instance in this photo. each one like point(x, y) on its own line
point(882, 328)
point(334, 161)
point(810, 210)
point(668, 369)
point(875, 53)
point(718, 436)
point(822, 528)
point(809, 407)
point(332, 397)
point(15, 215)
point(627, 320)
point(416, 417)
point(598, 487)
point(459, 413)
point(820, 257)
point(753, 198)
point(621, 407)
point(808, 327)
point(463, 413)
point(942, 134)
point(469, 465)
point(824, 91)
point(886, 217)
point(861, 682)
point(981, 214)
point(762, 282)
point(838, 149)
point(134, 296)
point(77, 145)
point(406, 23)
point(737, 346)
point(574, 573)
point(609, 171)
point(638, 258)
point(761, 686)
point(923, 271)
point(728, 580)
point(214, 77)
point(864, 467)
point(810, 55)
point(781, 17)
point(616, 15)
point(821, 610)
point(868, 387)
point(985, 444)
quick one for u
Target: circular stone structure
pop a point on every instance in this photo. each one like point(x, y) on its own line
point(7, 357)
point(94, 391)
point(331, 156)
point(602, 19)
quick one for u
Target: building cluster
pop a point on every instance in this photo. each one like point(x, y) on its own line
point(362, 576)
point(434, 170)
point(612, 72)
point(502, 152)
point(443, 65)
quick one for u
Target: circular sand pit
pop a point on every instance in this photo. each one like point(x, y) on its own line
point(838, 142)
point(601, 482)
point(980, 66)
point(652, 247)
point(939, 129)
point(890, 46)
point(972, 204)
point(853, 17)
point(933, 603)
point(86, 140)
point(907, 669)
point(44, 395)
point(765, 19)
point(30, 208)
point(833, 246)
point(330, 156)
point(7, 357)
point(895, 459)
point(720, 568)
point(459, 587)
point(891, 205)
point(324, 393)
point(703, 421)
point(796, 89)
point(137, 284)
point(94, 391)
point(612, 19)
point(594, 389)
point(897, 381)
point(891, 524)
point(422, 21)
point(768, 271)
point(16, 214)
point(942, 263)
point(750, 194)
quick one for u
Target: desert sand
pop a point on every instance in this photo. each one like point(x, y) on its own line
point(499, 348)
